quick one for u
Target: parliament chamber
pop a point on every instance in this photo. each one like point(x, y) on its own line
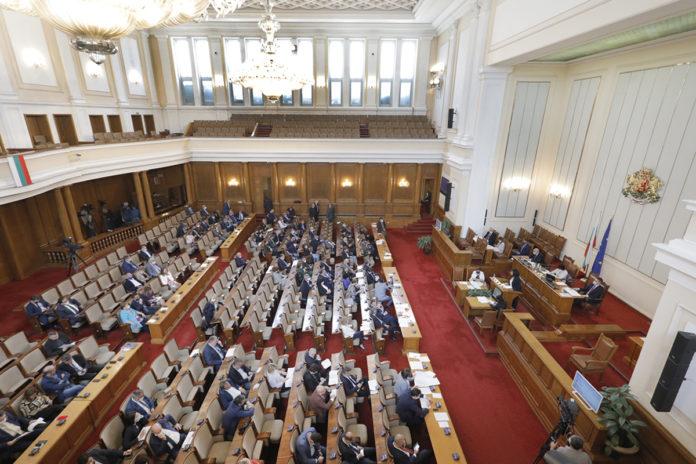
point(347, 231)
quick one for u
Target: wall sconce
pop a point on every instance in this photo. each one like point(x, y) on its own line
point(346, 183)
point(134, 77)
point(436, 73)
point(33, 58)
point(559, 191)
point(290, 182)
point(403, 183)
point(233, 182)
point(516, 183)
point(94, 70)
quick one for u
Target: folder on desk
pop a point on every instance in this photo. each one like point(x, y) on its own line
point(424, 379)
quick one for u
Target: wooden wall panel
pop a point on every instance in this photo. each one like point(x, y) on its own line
point(347, 172)
point(407, 173)
point(290, 184)
point(45, 218)
point(20, 245)
point(113, 190)
point(168, 187)
point(375, 182)
point(259, 174)
point(319, 182)
point(205, 182)
point(651, 123)
point(233, 193)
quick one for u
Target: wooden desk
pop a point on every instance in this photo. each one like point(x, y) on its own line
point(472, 307)
point(376, 408)
point(541, 379)
point(404, 312)
point(284, 454)
point(444, 446)
point(509, 295)
point(548, 304)
point(162, 324)
point(462, 288)
point(84, 414)
point(581, 331)
point(452, 260)
point(234, 242)
point(636, 347)
point(385, 256)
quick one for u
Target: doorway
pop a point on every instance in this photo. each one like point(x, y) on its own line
point(149, 124)
point(39, 130)
point(114, 123)
point(137, 123)
point(263, 188)
point(97, 123)
point(428, 186)
point(66, 128)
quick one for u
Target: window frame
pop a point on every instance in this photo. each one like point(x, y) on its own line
point(390, 80)
point(179, 78)
point(411, 80)
point(228, 74)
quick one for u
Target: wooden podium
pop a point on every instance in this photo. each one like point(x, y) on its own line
point(451, 259)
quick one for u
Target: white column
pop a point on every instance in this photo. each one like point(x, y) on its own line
point(219, 90)
point(448, 79)
point(675, 312)
point(420, 92)
point(371, 71)
point(321, 77)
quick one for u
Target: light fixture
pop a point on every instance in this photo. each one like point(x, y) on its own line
point(93, 70)
point(436, 73)
point(225, 7)
point(516, 183)
point(233, 182)
point(134, 77)
point(33, 58)
point(403, 183)
point(346, 183)
point(559, 191)
point(272, 71)
point(290, 182)
point(97, 24)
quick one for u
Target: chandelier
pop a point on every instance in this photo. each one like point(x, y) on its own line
point(273, 72)
point(96, 24)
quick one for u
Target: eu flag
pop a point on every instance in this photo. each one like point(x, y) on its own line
point(599, 259)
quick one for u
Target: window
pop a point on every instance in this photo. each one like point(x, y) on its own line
point(184, 70)
point(356, 69)
point(253, 48)
point(233, 64)
point(256, 98)
point(305, 55)
point(204, 71)
point(336, 71)
point(285, 46)
point(286, 99)
point(387, 60)
point(407, 69)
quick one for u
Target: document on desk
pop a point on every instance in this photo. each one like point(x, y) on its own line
point(333, 378)
point(326, 363)
point(424, 379)
point(288, 379)
point(415, 365)
point(230, 353)
point(482, 299)
point(476, 285)
point(374, 386)
point(425, 403)
point(442, 417)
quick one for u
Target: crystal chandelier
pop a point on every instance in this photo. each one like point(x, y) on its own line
point(96, 24)
point(272, 71)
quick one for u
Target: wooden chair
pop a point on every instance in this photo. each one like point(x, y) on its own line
point(598, 357)
point(486, 321)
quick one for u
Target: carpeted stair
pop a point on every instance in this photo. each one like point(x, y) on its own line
point(423, 226)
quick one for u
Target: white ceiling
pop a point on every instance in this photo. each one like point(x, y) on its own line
point(337, 4)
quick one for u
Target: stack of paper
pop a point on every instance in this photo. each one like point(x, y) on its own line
point(374, 386)
point(482, 299)
point(288, 379)
point(424, 379)
point(326, 363)
point(442, 419)
point(415, 365)
point(333, 378)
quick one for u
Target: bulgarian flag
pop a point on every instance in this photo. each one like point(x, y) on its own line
point(20, 172)
point(591, 243)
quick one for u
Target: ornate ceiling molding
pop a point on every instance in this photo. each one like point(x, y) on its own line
point(337, 4)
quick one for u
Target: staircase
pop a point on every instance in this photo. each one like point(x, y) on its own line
point(364, 131)
point(423, 226)
point(262, 130)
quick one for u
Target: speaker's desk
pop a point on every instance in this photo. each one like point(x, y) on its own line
point(234, 242)
point(452, 260)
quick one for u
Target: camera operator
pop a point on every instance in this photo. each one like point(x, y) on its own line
point(569, 454)
point(85, 215)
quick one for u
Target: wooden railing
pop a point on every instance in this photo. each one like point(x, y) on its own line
point(114, 239)
point(54, 254)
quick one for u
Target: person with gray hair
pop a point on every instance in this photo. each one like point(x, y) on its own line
point(572, 453)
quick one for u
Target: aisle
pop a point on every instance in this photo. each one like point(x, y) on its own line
point(493, 421)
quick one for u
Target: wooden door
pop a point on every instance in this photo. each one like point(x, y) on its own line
point(66, 128)
point(149, 124)
point(428, 186)
point(114, 123)
point(97, 123)
point(37, 125)
point(137, 122)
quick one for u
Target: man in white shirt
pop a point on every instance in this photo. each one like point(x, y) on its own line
point(275, 377)
point(560, 273)
point(477, 277)
point(499, 248)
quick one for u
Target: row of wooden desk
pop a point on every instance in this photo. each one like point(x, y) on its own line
point(234, 242)
point(385, 256)
point(452, 261)
point(164, 321)
point(284, 448)
point(407, 320)
point(84, 414)
point(472, 306)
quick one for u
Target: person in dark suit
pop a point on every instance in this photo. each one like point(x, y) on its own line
point(209, 312)
point(235, 412)
point(131, 430)
point(409, 409)
point(270, 218)
point(131, 284)
point(382, 226)
point(56, 343)
point(516, 281)
point(524, 249)
point(78, 368)
point(226, 208)
point(353, 453)
point(213, 353)
point(165, 438)
point(240, 375)
point(267, 204)
point(305, 288)
point(140, 406)
point(55, 382)
point(351, 385)
point(70, 310)
point(308, 448)
point(239, 260)
point(41, 310)
point(102, 456)
point(537, 256)
point(228, 393)
point(139, 305)
point(331, 212)
point(594, 292)
point(128, 266)
point(403, 455)
point(144, 254)
point(312, 378)
point(15, 436)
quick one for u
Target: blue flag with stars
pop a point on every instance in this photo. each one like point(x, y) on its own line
point(599, 259)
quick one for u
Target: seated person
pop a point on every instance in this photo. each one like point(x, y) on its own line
point(103, 456)
point(236, 410)
point(15, 435)
point(308, 447)
point(58, 383)
point(166, 438)
point(499, 248)
point(403, 382)
point(78, 368)
point(239, 260)
point(152, 268)
point(353, 453)
point(524, 249)
point(560, 273)
point(144, 254)
point(404, 455)
point(409, 408)
point(594, 292)
point(166, 278)
point(537, 256)
point(500, 302)
point(131, 284)
point(240, 375)
point(35, 404)
point(139, 304)
point(275, 377)
point(477, 277)
point(56, 343)
point(312, 378)
point(228, 393)
point(382, 292)
point(213, 353)
point(128, 266)
point(131, 430)
point(320, 403)
point(70, 310)
point(140, 406)
point(134, 319)
point(41, 310)
point(353, 385)
point(382, 318)
point(516, 281)
point(349, 332)
point(569, 454)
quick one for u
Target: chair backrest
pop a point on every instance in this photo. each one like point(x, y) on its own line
point(17, 344)
point(159, 366)
point(112, 433)
point(66, 287)
point(33, 359)
point(148, 384)
point(203, 441)
point(79, 279)
point(94, 313)
point(489, 318)
point(171, 349)
point(185, 386)
point(91, 272)
point(174, 408)
point(604, 349)
point(249, 441)
point(92, 290)
point(9, 379)
point(89, 347)
point(51, 295)
point(214, 415)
